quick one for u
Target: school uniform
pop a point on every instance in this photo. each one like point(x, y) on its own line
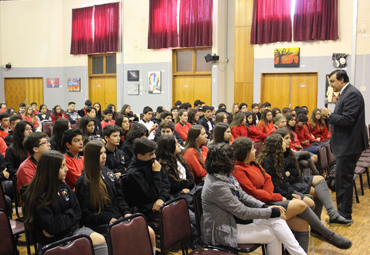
point(3, 133)
point(183, 130)
point(26, 171)
point(265, 129)
point(208, 125)
point(239, 131)
point(29, 119)
point(192, 158)
point(116, 161)
point(105, 123)
point(3, 146)
point(318, 132)
point(59, 115)
point(149, 125)
point(75, 166)
point(255, 134)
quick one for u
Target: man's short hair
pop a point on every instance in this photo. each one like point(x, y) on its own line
point(261, 105)
point(107, 111)
point(188, 104)
point(159, 109)
point(147, 109)
point(267, 104)
point(302, 117)
point(197, 102)
point(4, 115)
point(69, 134)
point(341, 74)
point(178, 102)
point(71, 103)
point(183, 106)
point(88, 102)
point(207, 108)
point(33, 103)
point(254, 105)
point(33, 140)
point(242, 104)
point(167, 124)
point(165, 114)
point(110, 129)
point(14, 118)
point(174, 108)
point(143, 145)
point(88, 109)
point(22, 105)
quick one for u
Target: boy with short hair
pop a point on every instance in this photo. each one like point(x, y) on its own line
point(22, 109)
point(167, 127)
point(146, 121)
point(157, 119)
point(72, 138)
point(35, 144)
point(243, 107)
point(34, 107)
point(5, 125)
point(71, 113)
point(83, 112)
point(115, 157)
point(147, 182)
point(108, 118)
point(268, 105)
point(207, 121)
point(13, 120)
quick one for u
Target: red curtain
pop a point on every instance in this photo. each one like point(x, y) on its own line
point(271, 22)
point(195, 25)
point(316, 20)
point(162, 24)
point(107, 28)
point(82, 35)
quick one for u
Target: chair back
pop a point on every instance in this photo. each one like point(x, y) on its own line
point(46, 127)
point(76, 245)
point(2, 199)
point(174, 223)
point(331, 158)
point(258, 146)
point(198, 211)
point(129, 236)
point(6, 235)
point(322, 159)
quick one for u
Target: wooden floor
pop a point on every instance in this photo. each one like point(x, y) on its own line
point(358, 233)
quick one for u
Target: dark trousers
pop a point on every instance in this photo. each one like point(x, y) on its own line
point(344, 183)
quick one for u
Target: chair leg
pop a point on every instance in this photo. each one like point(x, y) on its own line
point(367, 174)
point(362, 185)
point(354, 186)
point(263, 249)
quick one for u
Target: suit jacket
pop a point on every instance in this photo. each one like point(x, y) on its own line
point(348, 133)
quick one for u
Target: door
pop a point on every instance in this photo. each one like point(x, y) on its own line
point(23, 90)
point(275, 89)
point(304, 90)
point(103, 90)
point(189, 88)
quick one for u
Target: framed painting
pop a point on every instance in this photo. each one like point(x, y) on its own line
point(133, 75)
point(74, 84)
point(154, 82)
point(52, 82)
point(287, 57)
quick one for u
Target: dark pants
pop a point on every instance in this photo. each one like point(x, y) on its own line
point(344, 183)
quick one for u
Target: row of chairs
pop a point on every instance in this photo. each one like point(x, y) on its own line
point(48, 127)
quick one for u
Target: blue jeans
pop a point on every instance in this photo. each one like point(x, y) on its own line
point(312, 149)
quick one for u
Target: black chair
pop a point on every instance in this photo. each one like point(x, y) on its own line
point(8, 245)
point(129, 236)
point(175, 228)
point(74, 245)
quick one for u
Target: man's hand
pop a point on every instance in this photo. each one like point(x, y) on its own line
point(287, 173)
point(156, 166)
point(157, 205)
point(46, 234)
point(185, 191)
point(325, 111)
point(6, 174)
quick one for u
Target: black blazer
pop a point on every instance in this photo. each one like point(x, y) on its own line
point(348, 128)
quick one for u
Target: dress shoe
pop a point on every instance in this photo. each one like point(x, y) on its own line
point(340, 221)
point(338, 241)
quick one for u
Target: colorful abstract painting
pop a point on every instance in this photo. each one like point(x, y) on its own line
point(286, 57)
point(154, 82)
point(74, 84)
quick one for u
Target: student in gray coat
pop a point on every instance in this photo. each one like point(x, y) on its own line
point(231, 217)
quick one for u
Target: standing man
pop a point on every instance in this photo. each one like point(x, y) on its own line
point(348, 137)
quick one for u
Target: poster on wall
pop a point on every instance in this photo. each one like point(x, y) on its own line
point(133, 75)
point(331, 96)
point(286, 57)
point(155, 82)
point(74, 84)
point(52, 82)
point(133, 89)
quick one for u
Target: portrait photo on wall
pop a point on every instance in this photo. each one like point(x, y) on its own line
point(133, 75)
point(330, 94)
point(74, 84)
point(287, 57)
point(155, 82)
point(52, 82)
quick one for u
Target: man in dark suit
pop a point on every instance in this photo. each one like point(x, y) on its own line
point(348, 137)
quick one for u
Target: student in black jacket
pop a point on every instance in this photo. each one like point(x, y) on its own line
point(207, 121)
point(91, 112)
point(136, 131)
point(51, 208)
point(147, 181)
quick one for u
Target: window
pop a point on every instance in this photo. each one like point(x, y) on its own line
point(102, 64)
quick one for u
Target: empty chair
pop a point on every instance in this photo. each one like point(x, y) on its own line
point(74, 245)
point(46, 127)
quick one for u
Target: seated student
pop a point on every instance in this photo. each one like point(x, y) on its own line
point(112, 107)
point(253, 132)
point(174, 111)
point(267, 105)
point(157, 118)
point(56, 140)
point(286, 110)
point(279, 122)
point(255, 111)
point(30, 117)
point(235, 110)
point(195, 152)
point(14, 119)
point(34, 108)
point(5, 125)
point(307, 141)
point(238, 127)
point(193, 117)
point(165, 116)
point(136, 131)
point(108, 115)
point(71, 113)
point(182, 126)
point(222, 109)
point(123, 122)
point(35, 144)
point(52, 210)
point(317, 126)
point(42, 115)
point(243, 107)
point(11, 111)
point(3, 146)
point(57, 113)
point(72, 139)
point(87, 125)
point(3, 107)
point(221, 117)
point(275, 111)
point(91, 112)
point(126, 110)
point(207, 121)
point(147, 182)
point(146, 121)
point(177, 104)
point(83, 111)
point(116, 158)
point(266, 124)
point(262, 108)
point(97, 108)
point(222, 134)
point(22, 109)
point(228, 211)
point(168, 128)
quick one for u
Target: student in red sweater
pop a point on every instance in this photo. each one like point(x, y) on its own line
point(3, 146)
point(182, 127)
point(72, 138)
point(279, 122)
point(238, 127)
point(57, 113)
point(35, 144)
point(307, 141)
point(266, 124)
point(254, 133)
point(108, 118)
point(30, 117)
point(317, 126)
point(221, 134)
point(5, 125)
point(195, 153)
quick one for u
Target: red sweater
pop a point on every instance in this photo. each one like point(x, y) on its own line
point(192, 158)
point(182, 130)
point(266, 129)
point(238, 131)
point(3, 146)
point(304, 135)
point(105, 123)
point(29, 119)
point(255, 134)
point(59, 116)
point(318, 132)
point(254, 183)
point(25, 172)
point(75, 167)
point(272, 130)
point(3, 133)
point(295, 142)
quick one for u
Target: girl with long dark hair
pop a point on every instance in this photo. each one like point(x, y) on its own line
point(87, 125)
point(112, 107)
point(56, 141)
point(254, 133)
point(317, 126)
point(98, 115)
point(123, 122)
point(58, 113)
point(126, 110)
point(222, 134)
point(193, 117)
point(266, 124)
point(238, 127)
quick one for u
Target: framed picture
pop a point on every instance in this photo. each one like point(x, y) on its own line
point(133, 75)
point(52, 82)
point(133, 89)
point(154, 82)
point(74, 84)
point(286, 57)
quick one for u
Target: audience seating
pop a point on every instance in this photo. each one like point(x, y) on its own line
point(175, 228)
point(243, 248)
point(46, 127)
point(129, 236)
point(6, 236)
point(258, 146)
point(74, 245)
point(51, 128)
point(17, 197)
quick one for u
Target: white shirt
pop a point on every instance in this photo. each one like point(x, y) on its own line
point(149, 125)
point(182, 171)
point(340, 92)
